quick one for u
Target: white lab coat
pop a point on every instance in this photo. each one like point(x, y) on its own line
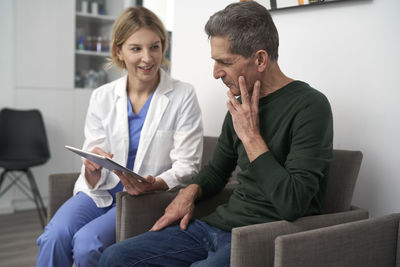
point(171, 141)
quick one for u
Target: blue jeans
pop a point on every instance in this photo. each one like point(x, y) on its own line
point(79, 231)
point(200, 245)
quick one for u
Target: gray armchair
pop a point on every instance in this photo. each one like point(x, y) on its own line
point(252, 245)
point(367, 243)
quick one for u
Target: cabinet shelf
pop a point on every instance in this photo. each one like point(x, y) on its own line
point(104, 18)
point(92, 34)
point(92, 53)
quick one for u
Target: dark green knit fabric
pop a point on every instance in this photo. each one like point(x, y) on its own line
point(289, 180)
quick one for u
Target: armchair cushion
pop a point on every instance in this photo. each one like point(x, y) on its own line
point(342, 179)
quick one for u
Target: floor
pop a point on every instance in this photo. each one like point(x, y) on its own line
point(18, 234)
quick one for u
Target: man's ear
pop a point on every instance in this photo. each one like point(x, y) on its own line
point(261, 60)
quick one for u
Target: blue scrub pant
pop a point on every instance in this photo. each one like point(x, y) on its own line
point(200, 245)
point(79, 231)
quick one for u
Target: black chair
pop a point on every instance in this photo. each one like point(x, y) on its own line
point(23, 144)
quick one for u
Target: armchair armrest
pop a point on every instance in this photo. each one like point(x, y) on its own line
point(254, 245)
point(137, 214)
point(368, 243)
point(61, 186)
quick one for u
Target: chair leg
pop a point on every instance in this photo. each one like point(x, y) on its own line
point(2, 177)
point(3, 174)
point(41, 209)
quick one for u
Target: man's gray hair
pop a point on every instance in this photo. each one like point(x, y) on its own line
point(249, 27)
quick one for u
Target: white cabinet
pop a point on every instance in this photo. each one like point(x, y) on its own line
point(93, 26)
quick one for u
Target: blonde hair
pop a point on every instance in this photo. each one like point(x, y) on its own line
point(130, 21)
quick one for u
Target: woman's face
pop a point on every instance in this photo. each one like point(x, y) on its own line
point(142, 54)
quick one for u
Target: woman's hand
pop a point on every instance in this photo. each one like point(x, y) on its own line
point(92, 169)
point(136, 187)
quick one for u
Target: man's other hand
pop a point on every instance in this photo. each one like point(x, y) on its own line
point(182, 207)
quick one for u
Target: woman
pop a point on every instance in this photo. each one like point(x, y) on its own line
point(146, 121)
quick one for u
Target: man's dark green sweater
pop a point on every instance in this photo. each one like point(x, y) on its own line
point(289, 180)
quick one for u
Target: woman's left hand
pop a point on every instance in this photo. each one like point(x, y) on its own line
point(136, 187)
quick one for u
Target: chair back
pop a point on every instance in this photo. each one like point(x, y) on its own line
point(23, 138)
point(208, 149)
point(342, 179)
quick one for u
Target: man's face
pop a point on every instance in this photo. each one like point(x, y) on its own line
point(230, 66)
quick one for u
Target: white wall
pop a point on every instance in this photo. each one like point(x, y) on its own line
point(347, 50)
point(6, 54)
point(7, 98)
point(164, 10)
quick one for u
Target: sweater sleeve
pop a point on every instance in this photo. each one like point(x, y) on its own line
point(291, 185)
point(216, 173)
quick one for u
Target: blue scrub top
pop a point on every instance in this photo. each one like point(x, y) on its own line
point(136, 122)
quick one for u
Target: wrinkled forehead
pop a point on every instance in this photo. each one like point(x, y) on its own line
point(220, 47)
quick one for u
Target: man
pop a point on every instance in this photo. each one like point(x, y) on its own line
point(280, 134)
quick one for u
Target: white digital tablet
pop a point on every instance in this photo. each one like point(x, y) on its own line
point(104, 162)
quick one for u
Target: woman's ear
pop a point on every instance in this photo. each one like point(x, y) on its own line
point(118, 53)
point(261, 60)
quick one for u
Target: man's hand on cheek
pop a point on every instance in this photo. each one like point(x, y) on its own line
point(245, 119)
point(245, 115)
